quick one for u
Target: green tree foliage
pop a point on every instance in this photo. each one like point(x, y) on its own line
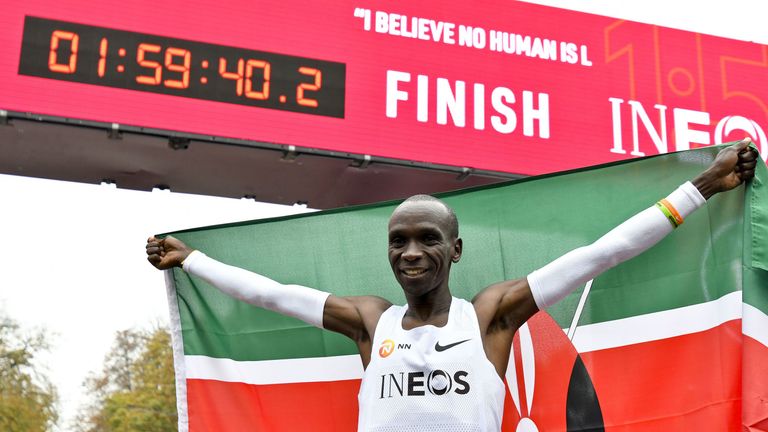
point(27, 398)
point(136, 389)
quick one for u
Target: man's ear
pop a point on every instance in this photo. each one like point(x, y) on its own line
point(457, 246)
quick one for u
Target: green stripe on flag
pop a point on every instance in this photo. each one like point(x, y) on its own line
point(509, 230)
point(756, 250)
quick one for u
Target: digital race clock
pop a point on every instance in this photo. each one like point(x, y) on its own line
point(114, 58)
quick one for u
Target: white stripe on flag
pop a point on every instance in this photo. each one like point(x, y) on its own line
point(178, 353)
point(755, 324)
point(658, 325)
point(591, 337)
point(284, 371)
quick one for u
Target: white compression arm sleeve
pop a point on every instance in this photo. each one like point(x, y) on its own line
point(297, 301)
point(557, 279)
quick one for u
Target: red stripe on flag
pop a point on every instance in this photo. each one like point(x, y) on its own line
point(687, 383)
point(755, 386)
point(236, 407)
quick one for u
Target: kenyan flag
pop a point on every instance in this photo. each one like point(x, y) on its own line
point(673, 340)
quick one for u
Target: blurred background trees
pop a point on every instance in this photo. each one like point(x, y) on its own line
point(135, 391)
point(27, 398)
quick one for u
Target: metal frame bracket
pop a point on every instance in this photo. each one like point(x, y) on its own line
point(178, 143)
point(465, 172)
point(362, 163)
point(290, 154)
point(114, 132)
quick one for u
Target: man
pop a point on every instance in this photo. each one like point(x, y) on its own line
point(450, 379)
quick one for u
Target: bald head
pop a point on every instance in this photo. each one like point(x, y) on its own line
point(439, 207)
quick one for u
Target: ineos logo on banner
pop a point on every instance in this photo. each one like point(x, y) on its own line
point(691, 129)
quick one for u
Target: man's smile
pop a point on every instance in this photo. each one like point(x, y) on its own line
point(413, 271)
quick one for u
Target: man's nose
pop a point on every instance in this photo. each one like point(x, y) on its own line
point(412, 252)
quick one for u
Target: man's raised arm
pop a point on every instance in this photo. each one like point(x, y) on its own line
point(518, 300)
point(312, 306)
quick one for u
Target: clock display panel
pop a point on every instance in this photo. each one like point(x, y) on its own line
point(115, 58)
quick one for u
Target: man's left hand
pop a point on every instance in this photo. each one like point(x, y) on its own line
point(732, 166)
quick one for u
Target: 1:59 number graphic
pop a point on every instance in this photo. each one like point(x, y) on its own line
point(115, 58)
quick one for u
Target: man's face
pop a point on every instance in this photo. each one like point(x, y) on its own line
point(421, 247)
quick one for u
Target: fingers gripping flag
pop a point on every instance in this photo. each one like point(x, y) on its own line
point(675, 339)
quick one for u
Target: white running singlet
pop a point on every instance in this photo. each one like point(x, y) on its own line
point(430, 379)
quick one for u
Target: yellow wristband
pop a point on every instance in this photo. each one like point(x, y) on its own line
point(669, 214)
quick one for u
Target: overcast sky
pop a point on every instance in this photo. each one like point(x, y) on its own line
point(73, 262)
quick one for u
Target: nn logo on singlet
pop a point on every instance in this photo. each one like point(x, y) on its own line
point(437, 382)
point(388, 347)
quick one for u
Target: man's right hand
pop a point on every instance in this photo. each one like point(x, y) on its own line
point(167, 252)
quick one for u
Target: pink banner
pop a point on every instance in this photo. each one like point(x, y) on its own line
point(503, 86)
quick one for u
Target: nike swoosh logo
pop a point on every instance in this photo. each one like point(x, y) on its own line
point(441, 348)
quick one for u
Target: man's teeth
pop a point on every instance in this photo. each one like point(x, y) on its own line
point(414, 272)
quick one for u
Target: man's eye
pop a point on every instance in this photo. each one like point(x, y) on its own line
point(430, 239)
point(396, 242)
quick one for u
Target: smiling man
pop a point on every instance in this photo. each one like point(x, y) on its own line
point(436, 363)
